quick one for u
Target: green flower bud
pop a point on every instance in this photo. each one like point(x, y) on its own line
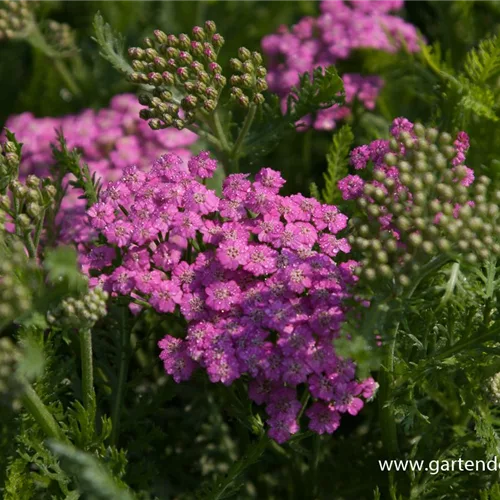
point(259, 99)
point(23, 221)
point(404, 280)
point(209, 105)
point(235, 64)
point(34, 210)
point(184, 42)
point(261, 72)
point(419, 130)
point(198, 33)
point(431, 134)
point(244, 54)
point(210, 27)
point(160, 36)
point(218, 40)
point(261, 84)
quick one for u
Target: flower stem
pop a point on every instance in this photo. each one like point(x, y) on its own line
point(124, 356)
point(66, 76)
point(387, 418)
point(205, 135)
point(38, 231)
point(34, 405)
point(38, 41)
point(244, 131)
point(219, 132)
point(30, 246)
point(88, 392)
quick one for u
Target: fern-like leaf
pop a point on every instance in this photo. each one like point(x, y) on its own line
point(94, 480)
point(483, 63)
point(70, 161)
point(112, 45)
point(338, 159)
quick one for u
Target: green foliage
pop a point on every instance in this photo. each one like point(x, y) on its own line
point(111, 45)
point(482, 64)
point(322, 89)
point(337, 160)
point(230, 484)
point(70, 162)
point(94, 481)
point(61, 267)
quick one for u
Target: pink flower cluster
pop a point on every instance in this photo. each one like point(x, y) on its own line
point(373, 154)
point(341, 28)
point(252, 273)
point(110, 139)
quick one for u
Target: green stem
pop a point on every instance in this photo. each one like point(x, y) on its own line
point(38, 41)
point(219, 132)
point(124, 357)
point(66, 76)
point(244, 131)
point(34, 405)
point(387, 418)
point(38, 231)
point(30, 246)
point(88, 392)
point(206, 135)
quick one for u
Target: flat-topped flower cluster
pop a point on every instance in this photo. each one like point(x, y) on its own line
point(253, 274)
point(341, 29)
point(109, 138)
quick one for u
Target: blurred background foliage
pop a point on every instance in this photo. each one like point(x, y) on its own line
point(30, 81)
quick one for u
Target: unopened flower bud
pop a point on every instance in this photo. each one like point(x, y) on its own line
point(209, 105)
point(244, 54)
point(198, 33)
point(136, 53)
point(261, 85)
point(160, 36)
point(189, 102)
point(172, 41)
point(235, 64)
point(34, 210)
point(210, 27)
point(184, 41)
point(196, 49)
point(23, 221)
point(218, 40)
point(259, 99)
point(183, 74)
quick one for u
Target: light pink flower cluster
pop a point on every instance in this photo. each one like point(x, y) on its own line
point(341, 28)
point(252, 273)
point(110, 139)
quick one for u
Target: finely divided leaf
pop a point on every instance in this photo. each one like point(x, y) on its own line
point(112, 45)
point(483, 63)
point(338, 159)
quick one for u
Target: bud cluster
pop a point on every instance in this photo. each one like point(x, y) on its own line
point(420, 201)
point(493, 388)
point(249, 80)
point(9, 164)
point(80, 313)
point(31, 199)
point(61, 37)
point(184, 73)
point(15, 295)
point(11, 385)
point(15, 18)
